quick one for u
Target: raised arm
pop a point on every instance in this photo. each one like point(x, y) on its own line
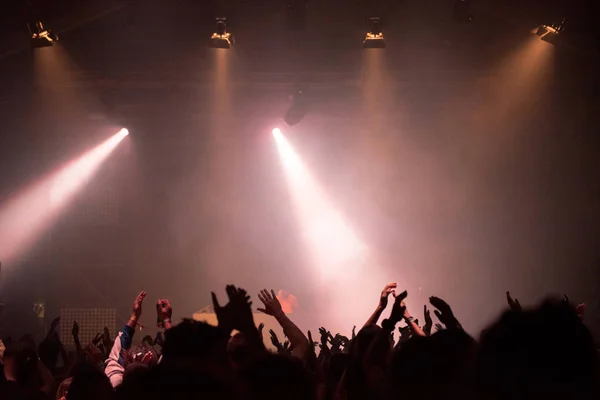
point(272, 307)
point(383, 302)
point(411, 322)
point(378, 354)
point(115, 364)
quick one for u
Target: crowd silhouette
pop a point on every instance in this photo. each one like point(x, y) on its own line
point(540, 352)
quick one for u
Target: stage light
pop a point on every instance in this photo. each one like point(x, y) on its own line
point(374, 38)
point(550, 33)
point(40, 36)
point(30, 212)
point(221, 39)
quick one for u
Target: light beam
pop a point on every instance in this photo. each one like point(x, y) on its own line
point(29, 213)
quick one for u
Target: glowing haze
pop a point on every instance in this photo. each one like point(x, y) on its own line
point(328, 236)
point(28, 213)
point(346, 285)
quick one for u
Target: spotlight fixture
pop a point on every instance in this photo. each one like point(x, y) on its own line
point(221, 39)
point(550, 33)
point(40, 36)
point(374, 38)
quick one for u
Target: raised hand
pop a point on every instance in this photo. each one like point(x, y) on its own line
point(97, 339)
point(354, 332)
point(405, 333)
point(237, 314)
point(271, 303)
point(438, 327)
point(164, 311)
point(390, 288)
point(343, 339)
point(513, 303)
point(336, 342)
point(324, 336)
point(444, 312)
point(428, 321)
point(287, 347)
point(398, 309)
point(136, 310)
point(75, 329)
point(260, 328)
point(275, 340)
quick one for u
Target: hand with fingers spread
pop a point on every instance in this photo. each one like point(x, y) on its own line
point(438, 327)
point(428, 321)
point(513, 303)
point(272, 306)
point(444, 313)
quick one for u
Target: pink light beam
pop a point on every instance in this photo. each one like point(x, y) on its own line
point(25, 217)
